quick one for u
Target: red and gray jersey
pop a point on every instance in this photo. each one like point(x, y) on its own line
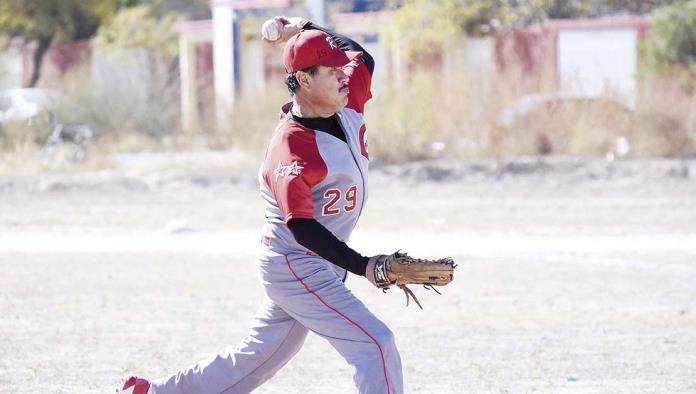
point(313, 175)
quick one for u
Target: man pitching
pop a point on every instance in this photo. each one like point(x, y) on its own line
point(314, 184)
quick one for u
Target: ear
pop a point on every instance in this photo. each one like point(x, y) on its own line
point(303, 79)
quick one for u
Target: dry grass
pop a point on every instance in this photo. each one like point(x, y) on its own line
point(252, 121)
point(432, 116)
point(454, 117)
point(460, 116)
point(124, 113)
point(665, 121)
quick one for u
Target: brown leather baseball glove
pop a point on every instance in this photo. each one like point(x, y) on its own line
point(400, 269)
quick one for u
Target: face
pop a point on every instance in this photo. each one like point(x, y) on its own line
point(327, 89)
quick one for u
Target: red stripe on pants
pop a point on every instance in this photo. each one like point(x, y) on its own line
point(381, 354)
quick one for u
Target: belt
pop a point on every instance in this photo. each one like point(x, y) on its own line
point(267, 241)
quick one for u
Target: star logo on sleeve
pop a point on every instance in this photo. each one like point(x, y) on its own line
point(286, 170)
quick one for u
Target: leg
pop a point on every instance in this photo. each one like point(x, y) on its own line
point(273, 340)
point(315, 296)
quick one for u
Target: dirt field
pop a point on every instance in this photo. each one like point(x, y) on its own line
point(575, 276)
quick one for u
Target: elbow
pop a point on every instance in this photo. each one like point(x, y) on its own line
point(369, 62)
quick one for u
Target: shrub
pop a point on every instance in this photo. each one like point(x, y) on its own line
point(670, 48)
point(132, 98)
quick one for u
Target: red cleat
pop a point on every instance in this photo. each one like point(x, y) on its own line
point(134, 385)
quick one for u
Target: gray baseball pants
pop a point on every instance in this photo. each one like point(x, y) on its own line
point(302, 293)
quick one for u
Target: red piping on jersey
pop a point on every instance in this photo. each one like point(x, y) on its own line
point(381, 354)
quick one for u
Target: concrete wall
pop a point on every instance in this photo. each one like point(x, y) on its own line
point(16, 63)
point(588, 57)
point(473, 55)
point(126, 74)
point(599, 62)
point(11, 67)
point(59, 61)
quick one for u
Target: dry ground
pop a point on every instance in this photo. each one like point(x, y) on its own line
point(575, 276)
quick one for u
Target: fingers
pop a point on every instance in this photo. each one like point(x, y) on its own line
point(282, 19)
point(281, 28)
point(271, 30)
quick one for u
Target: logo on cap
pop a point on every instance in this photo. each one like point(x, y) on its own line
point(314, 48)
point(321, 53)
point(332, 42)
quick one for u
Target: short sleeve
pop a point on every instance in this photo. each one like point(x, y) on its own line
point(291, 168)
point(360, 83)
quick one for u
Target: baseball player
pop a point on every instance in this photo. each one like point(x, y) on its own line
point(313, 181)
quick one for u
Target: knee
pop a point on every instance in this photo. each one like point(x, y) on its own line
point(383, 371)
point(386, 340)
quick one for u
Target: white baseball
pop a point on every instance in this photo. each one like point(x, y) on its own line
point(271, 30)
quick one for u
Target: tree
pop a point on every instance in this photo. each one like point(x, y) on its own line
point(427, 25)
point(142, 26)
point(595, 8)
point(423, 26)
point(48, 21)
point(670, 48)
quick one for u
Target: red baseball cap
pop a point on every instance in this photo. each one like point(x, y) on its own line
point(311, 48)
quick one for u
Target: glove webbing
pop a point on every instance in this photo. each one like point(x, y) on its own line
point(410, 294)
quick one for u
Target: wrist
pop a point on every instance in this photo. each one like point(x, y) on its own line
point(377, 271)
point(299, 22)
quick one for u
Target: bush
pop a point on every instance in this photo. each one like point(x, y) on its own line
point(132, 96)
point(670, 48)
point(451, 115)
point(458, 117)
point(21, 134)
point(665, 120)
point(117, 105)
point(252, 121)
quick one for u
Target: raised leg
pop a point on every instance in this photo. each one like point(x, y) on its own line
point(273, 340)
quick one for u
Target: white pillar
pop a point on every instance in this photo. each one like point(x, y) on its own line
point(398, 63)
point(253, 78)
point(317, 11)
point(189, 85)
point(223, 59)
point(11, 65)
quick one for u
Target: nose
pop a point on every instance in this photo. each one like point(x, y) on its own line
point(342, 76)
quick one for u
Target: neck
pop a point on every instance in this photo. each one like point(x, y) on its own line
point(305, 109)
